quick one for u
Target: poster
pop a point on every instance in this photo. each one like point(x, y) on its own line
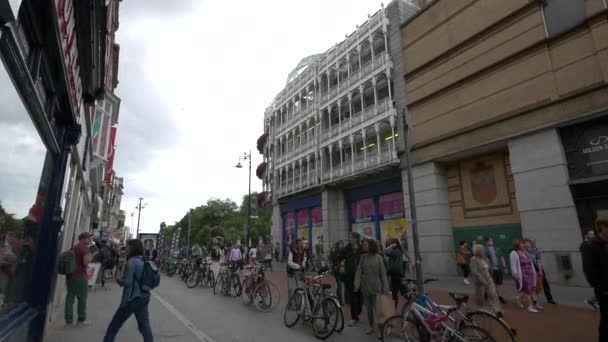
point(317, 216)
point(391, 205)
point(363, 210)
point(393, 228)
point(150, 241)
point(303, 233)
point(366, 229)
point(289, 222)
point(303, 218)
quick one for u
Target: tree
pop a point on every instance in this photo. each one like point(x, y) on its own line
point(8, 222)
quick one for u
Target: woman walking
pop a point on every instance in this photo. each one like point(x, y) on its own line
point(337, 268)
point(371, 279)
point(134, 300)
point(485, 289)
point(394, 253)
point(524, 275)
point(462, 259)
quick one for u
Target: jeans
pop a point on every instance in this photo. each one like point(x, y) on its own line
point(395, 282)
point(466, 270)
point(139, 307)
point(78, 288)
point(602, 298)
point(293, 283)
point(370, 303)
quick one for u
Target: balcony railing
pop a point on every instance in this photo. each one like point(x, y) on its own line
point(369, 112)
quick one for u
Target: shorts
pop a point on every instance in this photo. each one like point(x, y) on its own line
point(497, 277)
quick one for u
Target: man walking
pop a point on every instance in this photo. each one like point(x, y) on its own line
point(77, 283)
point(351, 257)
point(497, 264)
point(595, 267)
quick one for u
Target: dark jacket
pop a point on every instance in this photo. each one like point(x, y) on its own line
point(395, 261)
point(595, 263)
point(351, 258)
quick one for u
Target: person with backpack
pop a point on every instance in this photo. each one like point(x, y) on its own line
point(107, 260)
point(136, 282)
point(394, 253)
point(76, 281)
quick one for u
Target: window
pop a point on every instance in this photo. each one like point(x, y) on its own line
point(562, 15)
point(22, 193)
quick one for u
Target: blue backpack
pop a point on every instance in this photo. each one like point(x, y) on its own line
point(150, 278)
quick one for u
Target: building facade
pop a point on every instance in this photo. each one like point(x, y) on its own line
point(508, 104)
point(331, 153)
point(52, 76)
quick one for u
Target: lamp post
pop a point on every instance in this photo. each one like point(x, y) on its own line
point(139, 207)
point(244, 157)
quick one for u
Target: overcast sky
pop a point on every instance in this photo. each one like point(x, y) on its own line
point(195, 78)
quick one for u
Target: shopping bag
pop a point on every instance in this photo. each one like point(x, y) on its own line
point(385, 308)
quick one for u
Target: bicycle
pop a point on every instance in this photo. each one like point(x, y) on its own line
point(321, 290)
point(228, 281)
point(202, 274)
point(258, 289)
point(322, 312)
point(490, 322)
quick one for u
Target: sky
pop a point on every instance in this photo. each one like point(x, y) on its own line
point(195, 77)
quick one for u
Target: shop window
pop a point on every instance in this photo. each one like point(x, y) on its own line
point(22, 194)
point(562, 15)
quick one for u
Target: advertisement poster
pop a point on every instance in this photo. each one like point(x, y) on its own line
point(150, 241)
point(392, 228)
point(290, 227)
point(317, 216)
point(365, 229)
point(93, 272)
point(363, 210)
point(392, 216)
point(303, 233)
point(303, 218)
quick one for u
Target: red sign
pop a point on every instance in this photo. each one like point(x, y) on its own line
point(317, 216)
point(363, 208)
point(303, 218)
point(111, 150)
point(290, 220)
point(391, 204)
point(67, 33)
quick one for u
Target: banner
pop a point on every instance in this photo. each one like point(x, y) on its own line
point(365, 229)
point(303, 233)
point(392, 228)
point(303, 218)
point(363, 210)
point(391, 206)
point(93, 272)
point(111, 150)
point(289, 222)
point(316, 215)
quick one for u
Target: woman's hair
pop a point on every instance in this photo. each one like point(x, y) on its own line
point(394, 241)
point(477, 247)
point(372, 246)
point(136, 248)
point(517, 245)
point(462, 243)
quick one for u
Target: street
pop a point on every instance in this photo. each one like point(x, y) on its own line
point(179, 314)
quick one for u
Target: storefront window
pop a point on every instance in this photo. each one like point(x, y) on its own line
point(22, 193)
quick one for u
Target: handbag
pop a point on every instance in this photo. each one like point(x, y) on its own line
point(385, 308)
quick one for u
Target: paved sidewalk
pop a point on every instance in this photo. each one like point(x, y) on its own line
point(101, 307)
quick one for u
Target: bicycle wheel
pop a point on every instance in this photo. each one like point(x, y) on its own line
point(340, 326)
point(324, 322)
point(247, 295)
point(237, 288)
point(496, 327)
point(294, 308)
point(262, 296)
point(471, 333)
point(396, 328)
point(210, 278)
point(192, 280)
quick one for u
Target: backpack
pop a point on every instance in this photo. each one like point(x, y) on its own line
point(107, 260)
point(150, 278)
point(67, 263)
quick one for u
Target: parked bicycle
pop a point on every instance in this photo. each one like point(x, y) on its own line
point(323, 313)
point(259, 290)
point(202, 274)
point(228, 281)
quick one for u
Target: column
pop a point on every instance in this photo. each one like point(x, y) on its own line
point(546, 208)
point(300, 175)
point(388, 79)
point(359, 56)
point(361, 89)
point(308, 170)
point(341, 158)
point(393, 142)
point(352, 153)
point(331, 163)
point(348, 65)
point(339, 115)
point(321, 165)
point(371, 46)
point(338, 74)
point(377, 129)
point(364, 148)
point(375, 95)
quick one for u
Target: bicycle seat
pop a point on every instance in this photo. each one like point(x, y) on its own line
point(459, 298)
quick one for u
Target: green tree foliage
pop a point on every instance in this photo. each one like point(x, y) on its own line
point(221, 218)
point(8, 222)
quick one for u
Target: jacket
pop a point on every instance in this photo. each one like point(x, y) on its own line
point(595, 263)
point(293, 265)
point(371, 275)
point(351, 259)
point(395, 261)
point(130, 282)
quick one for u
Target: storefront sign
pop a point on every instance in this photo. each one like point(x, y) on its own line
point(67, 33)
point(586, 148)
point(363, 210)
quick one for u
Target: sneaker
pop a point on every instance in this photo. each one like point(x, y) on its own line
point(551, 302)
point(353, 323)
point(369, 331)
point(539, 307)
point(532, 309)
point(83, 323)
point(466, 281)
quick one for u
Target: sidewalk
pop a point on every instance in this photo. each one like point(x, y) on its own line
point(102, 304)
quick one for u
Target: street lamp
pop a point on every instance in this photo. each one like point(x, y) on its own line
point(139, 207)
point(247, 157)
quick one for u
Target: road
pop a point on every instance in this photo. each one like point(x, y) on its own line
point(179, 314)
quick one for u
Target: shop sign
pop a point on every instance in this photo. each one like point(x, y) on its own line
point(67, 33)
point(586, 148)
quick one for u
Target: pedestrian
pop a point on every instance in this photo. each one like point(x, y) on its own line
point(295, 264)
point(352, 256)
point(587, 238)
point(483, 282)
point(595, 267)
point(77, 283)
point(497, 263)
point(134, 300)
point(337, 268)
point(534, 257)
point(267, 253)
point(394, 253)
point(406, 256)
point(106, 259)
point(524, 275)
point(235, 257)
point(197, 251)
point(462, 259)
point(371, 279)
point(537, 258)
point(253, 255)
point(277, 249)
